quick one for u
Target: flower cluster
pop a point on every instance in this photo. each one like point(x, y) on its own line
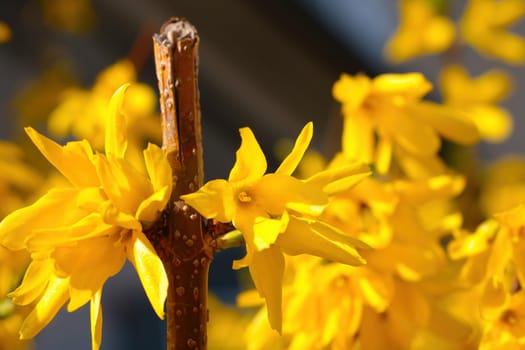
point(394, 242)
point(386, 117)
point(445, 269)
point(279, 214)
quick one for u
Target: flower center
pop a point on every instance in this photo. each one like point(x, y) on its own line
point(244, 197)
point(510, 317)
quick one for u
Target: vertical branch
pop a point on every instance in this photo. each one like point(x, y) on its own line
point(182, 244)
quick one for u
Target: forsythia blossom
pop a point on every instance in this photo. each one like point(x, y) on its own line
point(479, 97)
point(80, 236)
point(484, 26)
point(385, 117)
point(423, 30)
point(278, 213)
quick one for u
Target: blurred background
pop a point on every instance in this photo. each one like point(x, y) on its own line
point(267, 64)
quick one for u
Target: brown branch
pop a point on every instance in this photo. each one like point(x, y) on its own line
point(182, 243)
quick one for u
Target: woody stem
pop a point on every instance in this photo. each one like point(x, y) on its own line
point(183, 245)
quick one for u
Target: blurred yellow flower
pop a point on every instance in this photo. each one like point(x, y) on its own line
point(479, 97)
point(81, 112)
point(226, 320)
point(5, 32)
point(80, 236)
point(484, 26)
point(385, 117)
point(39, 97)
point(71, 16)
point(17, 179)
point(278, 213)
point(422, 30)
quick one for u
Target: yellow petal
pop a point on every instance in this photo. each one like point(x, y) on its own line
point(473, 244)
point(494, 298)
point(409, 85)
point(35, 281)
point(274, 192)
point(494, 123)
point(449, 122)
point(114, 217)
point(88, 264)
point(55, 208)
point(417, 167)
point(95, 312)
point(358, 138)
point(433, 188)
point(414, 135)
point(124, 186)
point(150, 208)
point(460, 89)
point(74, 160)
point(290, 163)
point(439, 34)
point(47, 307)
point(158, 168)
point(351, 90)
point(265, 231)
point(415, 262)
point(242, 262)
point(383, 155)
point(314, 238)
point(89, 226)
point(507, 12)
point(511, 47)
point(214, 200)
point(266, 269)
point(151, 271)
point(250, 162)
point(378, 290)
point(340, 178)
point(512, 218)
point(116, 142)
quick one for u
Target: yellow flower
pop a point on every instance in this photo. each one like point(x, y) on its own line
point(5, 32)
point(80, 236)
point(479, 98)
point(484, 26)
point(385, 116)
point(422, 31)
point(278, 213)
